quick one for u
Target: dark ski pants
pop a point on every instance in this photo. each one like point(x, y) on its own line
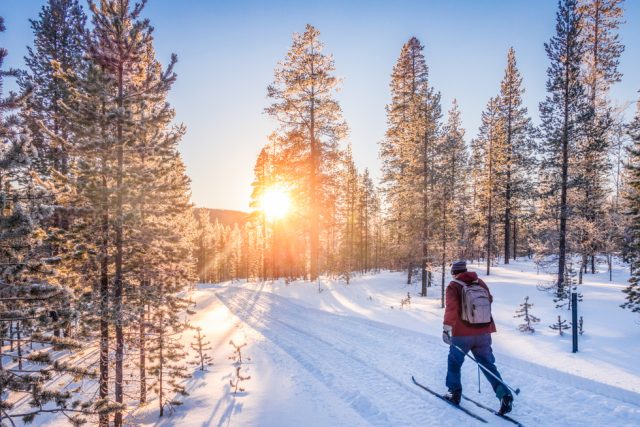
point(480, 347)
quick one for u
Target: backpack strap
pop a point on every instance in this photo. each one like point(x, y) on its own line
point(460, 282)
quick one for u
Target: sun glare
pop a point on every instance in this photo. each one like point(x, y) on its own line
point(276, 203)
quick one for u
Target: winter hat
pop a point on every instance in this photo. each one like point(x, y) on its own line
point(458, 267)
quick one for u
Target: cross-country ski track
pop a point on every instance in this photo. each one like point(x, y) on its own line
point(317, 368)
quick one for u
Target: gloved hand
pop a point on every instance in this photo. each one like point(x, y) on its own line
point(446, 334)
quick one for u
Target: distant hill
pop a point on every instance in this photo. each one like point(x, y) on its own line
point(226, 217)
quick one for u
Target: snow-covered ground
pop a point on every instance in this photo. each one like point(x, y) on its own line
point(344, 357)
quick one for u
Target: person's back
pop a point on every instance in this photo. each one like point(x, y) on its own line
point(463, 334)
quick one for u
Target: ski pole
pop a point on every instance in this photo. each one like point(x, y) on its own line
point(516, 391)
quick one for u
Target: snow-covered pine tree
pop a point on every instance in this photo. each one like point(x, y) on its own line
point(166, 354)
point(29, 298)
point(529, 319)
point(202, 346)
point(119, 44)
point(632, 211)
point(413, 129)
point(563, 115)
point(91, 104)
point(489, 160)
point(560, 326)
point(58, 39)
point(311, 123)
point(519, 153)
point(58, 45)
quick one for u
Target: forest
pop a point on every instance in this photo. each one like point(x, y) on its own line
point(101, 244)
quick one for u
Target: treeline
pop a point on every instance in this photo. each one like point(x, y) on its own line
point(96, 224)
point(558, 192)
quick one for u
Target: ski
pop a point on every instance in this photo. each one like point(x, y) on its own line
point(493, 411)
point(438, 395)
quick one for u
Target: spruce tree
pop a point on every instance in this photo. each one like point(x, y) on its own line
point(303, 94)
point(563, 115)
point(30, 298)
point(600, 20)
point(407, 152)
point(58, 40)
point(453, 169)
point(632, 196)
point(489, 159)
point(529, 319)
point(519, 156)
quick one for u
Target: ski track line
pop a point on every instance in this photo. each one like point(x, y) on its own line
point(406, 340)
point(375, 358)
point(346, 337)
point(376, 396)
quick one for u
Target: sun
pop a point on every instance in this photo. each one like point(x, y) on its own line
point(276, 202)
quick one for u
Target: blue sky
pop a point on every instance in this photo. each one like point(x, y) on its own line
point(227, 52)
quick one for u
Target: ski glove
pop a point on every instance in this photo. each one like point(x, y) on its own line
point(446, 334)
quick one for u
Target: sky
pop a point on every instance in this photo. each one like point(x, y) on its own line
point(227, 53)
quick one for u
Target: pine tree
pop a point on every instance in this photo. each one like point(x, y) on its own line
point(632, 212)
point(560, 326)
point(528, 318)
point(453, 169)
point(369, 204)
point(201, 346)
point(309, 116)
point(600, 20)
point(58, 39)
point(88, 113)
point(518, 146)
point(413, 129)
point(349, 216)
point(563, 115)
point(489, 158)
point(166, 353)
point(29, 297)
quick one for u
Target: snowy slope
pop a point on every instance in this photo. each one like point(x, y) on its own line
point(344, 357)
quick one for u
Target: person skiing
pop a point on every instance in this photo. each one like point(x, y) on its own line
point(468, 326)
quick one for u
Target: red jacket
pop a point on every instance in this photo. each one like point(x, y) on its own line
point(452, 310)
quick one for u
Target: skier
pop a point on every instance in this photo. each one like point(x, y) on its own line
point(468, 326)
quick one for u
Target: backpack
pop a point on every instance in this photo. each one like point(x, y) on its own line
point(475, 304)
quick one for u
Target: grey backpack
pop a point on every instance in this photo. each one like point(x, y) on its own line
point(475, 304)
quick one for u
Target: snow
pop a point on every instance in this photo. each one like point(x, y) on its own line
point(344, 357)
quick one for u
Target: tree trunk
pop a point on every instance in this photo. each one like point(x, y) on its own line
point(143, 357)
point(19, 344)
point(563, 187)
point(104, 295)
point(507, 197)
point(515, 241)
point(118, 282)
point(161, 363)
point(315, 214)
point(490, 207)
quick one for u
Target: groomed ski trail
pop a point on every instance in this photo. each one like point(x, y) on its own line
point(376, 396)
point(366, 364)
